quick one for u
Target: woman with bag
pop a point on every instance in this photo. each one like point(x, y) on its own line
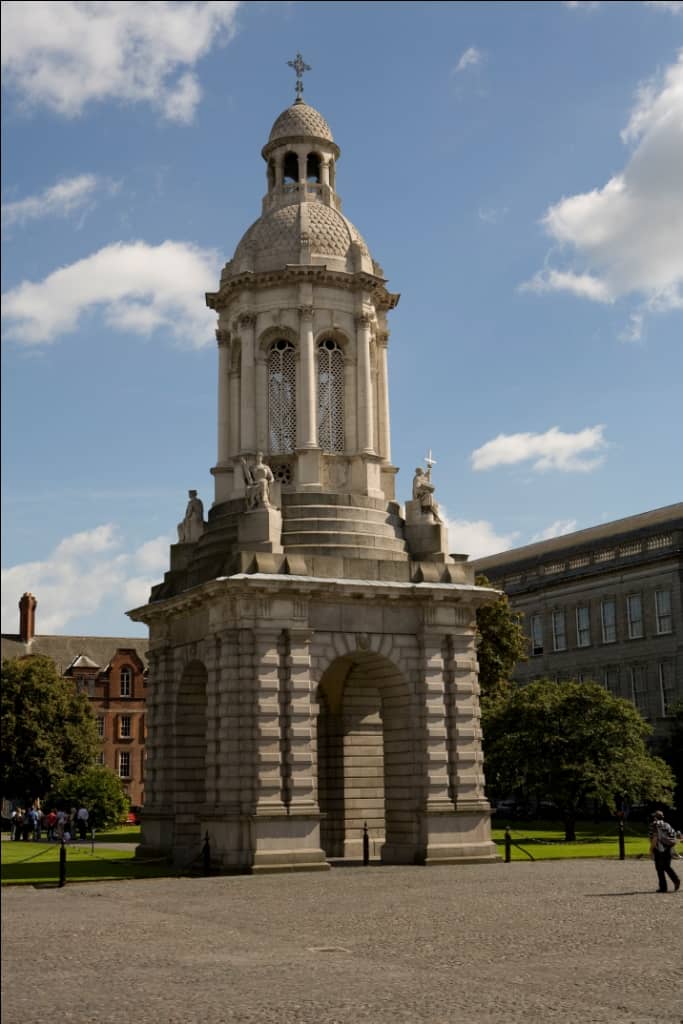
point(662, 843)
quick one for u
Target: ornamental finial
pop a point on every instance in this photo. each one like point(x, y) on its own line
point(299, 67)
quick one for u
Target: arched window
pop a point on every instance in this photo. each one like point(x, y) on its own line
point(313, 168)
point(330, 396)
point(290, 168)
point(282, 397)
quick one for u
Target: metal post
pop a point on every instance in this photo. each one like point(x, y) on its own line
point(62, 864)
point(92, 841)
point(622, 848)
point(366, 845)
point(206, 854)
point(508, 845)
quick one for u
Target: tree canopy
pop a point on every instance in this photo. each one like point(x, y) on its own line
point(48, 728)
point(567, 742)
point(99, 789)
point(501, 643)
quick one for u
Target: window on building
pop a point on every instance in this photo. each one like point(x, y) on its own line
point(663, 610)
point(634, 614)
point(536, 634)
point(330, 396)
point(126, 682)
point(667, 686)
point(583, 626)
point(610, 679)
point(124, 727)
point(124, 764)
point(639, 688)
point(559, 632)
point(99, 757)
point(608, 614)
point(282, 397)
point(100, 726)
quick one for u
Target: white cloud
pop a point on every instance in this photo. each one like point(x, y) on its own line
point(588, 5)
point(58, 200)
point(634, 331)
point(626, 236)
point(140, 287)
point(491, 215)
point(557, 529)
point(68, 54)
point(675, 6)
point(83, 572)
point(471, 57)
point(552, 450)
point(476, 538)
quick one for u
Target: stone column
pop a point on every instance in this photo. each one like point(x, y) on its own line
point(383, 430)
point(306, 404)
point(247, 324)
point(279, 165)
point(224, 439)
point(466, 716)
point(234, 400)
point(364, 389)
point(158, 824)
point(261, 378)
point(268, 775)
point(325, 172)
point(435, 733)
point(300, 740)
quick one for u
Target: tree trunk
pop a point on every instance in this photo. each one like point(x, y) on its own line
point(569, 828)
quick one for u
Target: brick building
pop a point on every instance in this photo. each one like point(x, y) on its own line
point(605, 604)
point(112, 671)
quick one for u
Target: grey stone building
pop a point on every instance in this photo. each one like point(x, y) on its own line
point(605, 604)
point(312, 647)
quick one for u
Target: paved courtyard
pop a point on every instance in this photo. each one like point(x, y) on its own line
point(584, 941)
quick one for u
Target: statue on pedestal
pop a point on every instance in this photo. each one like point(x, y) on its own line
point(257, 479)
point(423, 491)
point(192, 526)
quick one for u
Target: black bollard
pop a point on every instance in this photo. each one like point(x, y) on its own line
point(622, 847)
point(508, 845)
point(62, 865)
point(366, 845)
point(206, 855)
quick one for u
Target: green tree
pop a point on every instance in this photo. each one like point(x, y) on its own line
point(568, 742)
point(501, 642)
point(48, 729)
point(672, 748)
point(99, 789)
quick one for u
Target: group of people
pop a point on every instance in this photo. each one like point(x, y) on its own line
point(27, 824)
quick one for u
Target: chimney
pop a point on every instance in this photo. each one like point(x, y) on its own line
point(27, 618)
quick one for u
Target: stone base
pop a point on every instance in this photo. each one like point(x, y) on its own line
point(458, 837)
point(260, 530)
point(425, 538)
point(287, 843)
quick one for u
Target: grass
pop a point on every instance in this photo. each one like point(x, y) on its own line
point(38, 864)
point(545, 840)
point(122, 834)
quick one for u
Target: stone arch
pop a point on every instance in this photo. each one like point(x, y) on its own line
point(290, 168)
point(271, 334)
point(368, 768)
point(190, 759)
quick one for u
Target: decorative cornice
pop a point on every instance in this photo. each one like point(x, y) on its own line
point(363, 320)
point(247, 320)
point(296, 274)
point(382, 338)
point(306, 312)
point(223, 337)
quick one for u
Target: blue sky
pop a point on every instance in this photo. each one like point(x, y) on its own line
point(517, 170)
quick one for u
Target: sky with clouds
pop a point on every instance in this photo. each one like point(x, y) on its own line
point(516, 170)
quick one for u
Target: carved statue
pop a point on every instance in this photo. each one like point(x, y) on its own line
point(423, 491)
point(192, 526)
point(257, 479)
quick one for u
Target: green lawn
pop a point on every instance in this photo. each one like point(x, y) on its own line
point(38, 863)
point(545, 840)
point(122, 834)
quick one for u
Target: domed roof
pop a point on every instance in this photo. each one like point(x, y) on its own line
point(300, 119)
point(276, 239)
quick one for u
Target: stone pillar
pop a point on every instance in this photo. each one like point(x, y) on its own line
point(300, 740)
point(158, 818)
point(234, 401)
point(306, 405)
point(383, 430)
point(466, 716)
point(364, 389)
point(248, 397)
point(267, 706)
point(325, 172)
point(224, 439)
point(261, 378)
point(435, 733)
point(279, 165)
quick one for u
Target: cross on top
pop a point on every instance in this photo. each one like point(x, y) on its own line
point(299, 67)
point(429, 461)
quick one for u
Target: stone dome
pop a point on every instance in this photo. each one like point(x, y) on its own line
point(300, 119)
point(275, 239)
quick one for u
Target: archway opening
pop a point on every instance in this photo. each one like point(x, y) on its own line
point(367, 770)
point(290, 168)
point(190, 760)
point(313, 168)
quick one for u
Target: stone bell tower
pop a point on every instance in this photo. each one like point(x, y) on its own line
point(312, 647)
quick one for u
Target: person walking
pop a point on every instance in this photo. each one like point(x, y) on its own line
point(82, 820)
point(662, 843)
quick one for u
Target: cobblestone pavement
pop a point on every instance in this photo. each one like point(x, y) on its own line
point(572, 941)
